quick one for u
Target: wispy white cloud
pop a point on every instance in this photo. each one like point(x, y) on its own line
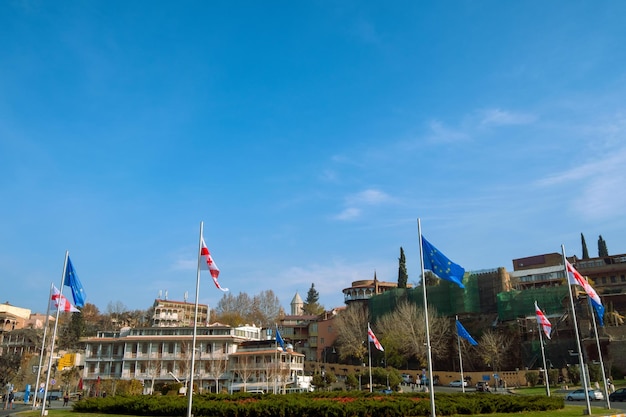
point(439, 133)
point(349, 213)
point(499, 117)
point(596, 186)
point(330, 279)
point(355, 203)
point(368, 197)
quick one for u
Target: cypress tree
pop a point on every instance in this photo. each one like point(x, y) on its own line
point(585, 251)
point(403, 277)
point(602, 249)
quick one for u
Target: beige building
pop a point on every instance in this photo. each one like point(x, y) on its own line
point(163, 354)
point(169, 313)
point(264, 366)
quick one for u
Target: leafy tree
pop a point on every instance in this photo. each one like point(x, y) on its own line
point(91, 319)
point(403, 276)
point(311, 304)
point(602, 249)
point(71, 332)
point(584, 244)
point(9, 367)
point(431, 279)
point(532, 377)
point(352, 381)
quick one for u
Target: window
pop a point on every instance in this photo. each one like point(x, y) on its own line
point(613, 279)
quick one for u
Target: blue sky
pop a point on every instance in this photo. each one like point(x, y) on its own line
point(309, 137)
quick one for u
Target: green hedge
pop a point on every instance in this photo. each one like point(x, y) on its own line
point(324, 404)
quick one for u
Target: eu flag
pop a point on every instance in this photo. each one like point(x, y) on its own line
point(599, 308)
point(441, 266)
point(72, 281)
point(464, 333)
point(279, 339)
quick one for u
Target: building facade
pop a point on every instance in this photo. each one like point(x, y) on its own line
point(265, 366)
point(163, 354)
point(169, 313)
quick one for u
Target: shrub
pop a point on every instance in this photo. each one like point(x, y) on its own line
point(532, 377)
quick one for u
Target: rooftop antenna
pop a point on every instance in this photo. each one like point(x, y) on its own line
point(186, 296)
point(160, 294)
point(165, 295)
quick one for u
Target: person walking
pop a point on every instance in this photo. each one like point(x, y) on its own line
point(66, 399)
point(11, 399)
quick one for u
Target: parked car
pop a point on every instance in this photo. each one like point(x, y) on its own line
point(18, 396)
point(406, 378)
point(579, 395)
point(458, 384)
point(482, 386)
point(619, 395)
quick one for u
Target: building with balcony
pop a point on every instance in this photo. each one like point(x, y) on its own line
point(265, 366)
point(169, 313)
point(363, 290)
point(163, 354)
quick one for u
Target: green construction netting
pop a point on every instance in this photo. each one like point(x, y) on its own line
point(480, 296)
point(514, 304)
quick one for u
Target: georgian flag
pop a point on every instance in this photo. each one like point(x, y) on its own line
point(62, 303)
point(208, 263)
point(575, 278)
point(543, 321)
point(371, 337)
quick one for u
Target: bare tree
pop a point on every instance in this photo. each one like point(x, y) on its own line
point(405, 329)
point(351, 325)
point(244, 368)
point(153, 370)
point(265, 308)
point(492, 348)
point(216, 367)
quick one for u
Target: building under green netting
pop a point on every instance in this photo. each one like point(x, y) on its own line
point(513, 304)
point(478, 296)
point(485, 292)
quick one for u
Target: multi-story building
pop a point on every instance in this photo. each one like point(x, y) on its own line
point(11, 318)
point(169, 313)
point(361, 291)
point(265, 366)
point(608, 276)
point(163, 354)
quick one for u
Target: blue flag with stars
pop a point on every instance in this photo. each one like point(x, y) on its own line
point(441, 266)
point(464, 333)
point(279, 339)
point(72, 281)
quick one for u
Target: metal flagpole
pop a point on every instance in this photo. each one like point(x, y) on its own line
point(195, 328)
point(581, 360)
point(54, 335)
point(458, 340)
point(429, 354)
point(369, 355)
point(543, 354)
point(43, 348)
point(595, 329)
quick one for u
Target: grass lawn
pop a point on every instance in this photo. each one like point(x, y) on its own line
point(568, 411)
